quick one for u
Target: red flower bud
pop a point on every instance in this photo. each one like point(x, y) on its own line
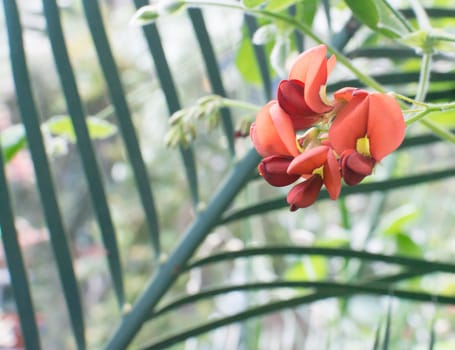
point(274, 170)
point(305, 193)
point(355, 167)
point(291, 98)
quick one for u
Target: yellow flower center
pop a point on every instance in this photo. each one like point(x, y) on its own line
point(319, 171)
point(363, 146)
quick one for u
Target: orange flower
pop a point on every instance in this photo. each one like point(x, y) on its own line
point(300, 95)
point(367, 127)
point(272, 133)
point(317, 166)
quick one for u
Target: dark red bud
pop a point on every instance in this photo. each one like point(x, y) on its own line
point(305, 193)
point(355, 167)
point(273, 170)
point(291, 99)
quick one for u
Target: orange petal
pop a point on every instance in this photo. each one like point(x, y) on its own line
point(305, 193)
point(350, 124)
point(386, 126)
point(331, 64)
point(308, 161)
point(316, 78)
point(264, 136)
point(283, 125)
point(332, 175)
point(312, 67)
point(347, 93)
point(307, 60)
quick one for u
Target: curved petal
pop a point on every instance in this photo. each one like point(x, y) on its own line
point(291, 99)
point(355, 167)
point(306, 162)
point(359, 164)
point(331, 64)
point(350, 124)
point(307, 60)
point(305, 193)
point(264, 135)
point(273, 170)
point(332, 175)
point(316, 77)
point(386, 126)
point(312, 67)
point(347, 93)
point(285, 129)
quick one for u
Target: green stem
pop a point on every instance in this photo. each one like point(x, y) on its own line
point(424, 78)
point(170, 269)
point(399, 16)
point(430, 108)
point(436, 129)
point(417, 117)
point(320, 286)
point(409, 100)
point(404, 261)
point(344, 212)
point(421, 15)
point(305, 29)
point(325, 290)
point(227, 102)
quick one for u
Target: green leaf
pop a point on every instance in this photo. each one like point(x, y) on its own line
point(396, 221)
point(246, 62)
point(389, 23)
point(378, 15)
point(446, 119)
point(279, 5)
point(404, 245)
point(145, 15)
point(63, 127)
point(310, 268)
point(306, 11)
point(252, 3)
point(365, 11)
point(12, 140)
point(148, 14)
point(99, 128)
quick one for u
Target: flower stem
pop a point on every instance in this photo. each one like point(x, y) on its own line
point(436, 129)
point(399, 16)
point(417, 117)
point(227, 102)
point(409, 100)
point(424, 78)
point(430, 108)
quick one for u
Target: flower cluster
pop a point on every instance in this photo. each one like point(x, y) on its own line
point(303, 135)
